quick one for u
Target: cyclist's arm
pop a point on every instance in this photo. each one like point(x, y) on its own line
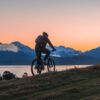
point(49, 42)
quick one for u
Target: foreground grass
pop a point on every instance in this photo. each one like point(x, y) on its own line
point(77, 84)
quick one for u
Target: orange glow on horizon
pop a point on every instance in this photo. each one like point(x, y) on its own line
point(29, 40)
point(70, 24)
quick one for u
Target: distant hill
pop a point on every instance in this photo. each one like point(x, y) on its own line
point(62, 51)
point(13, 58)
point(17, 53)
point(25, 49)
point(93, 53)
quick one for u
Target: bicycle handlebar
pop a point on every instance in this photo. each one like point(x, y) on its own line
point(53, 50)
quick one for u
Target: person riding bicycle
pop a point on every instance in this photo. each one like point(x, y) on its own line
point(40, 46)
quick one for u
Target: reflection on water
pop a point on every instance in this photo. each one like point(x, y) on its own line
point(19, 69)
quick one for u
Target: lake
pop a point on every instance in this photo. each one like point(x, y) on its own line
point(20, 69)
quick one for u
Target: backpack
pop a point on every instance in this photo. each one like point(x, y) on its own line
point(39, 39)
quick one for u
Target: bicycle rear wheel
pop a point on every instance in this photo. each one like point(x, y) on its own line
point(50, 65)
point(36, 67)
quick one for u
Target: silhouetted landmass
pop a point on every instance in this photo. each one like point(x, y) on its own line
point(11, 58)
point(20, 58)
point(77, 60)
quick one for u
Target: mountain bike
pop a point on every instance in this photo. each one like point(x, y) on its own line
point(37, 66)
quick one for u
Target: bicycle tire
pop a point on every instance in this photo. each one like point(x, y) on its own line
point(50, 64)
point(39, 70)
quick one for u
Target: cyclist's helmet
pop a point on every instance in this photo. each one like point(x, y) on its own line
point(45, 34)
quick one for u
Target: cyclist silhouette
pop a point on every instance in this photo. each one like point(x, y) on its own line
point(40, 47)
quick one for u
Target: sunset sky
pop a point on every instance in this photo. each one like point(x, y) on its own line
point(71, 23)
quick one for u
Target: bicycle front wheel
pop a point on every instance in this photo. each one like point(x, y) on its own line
point(51, 65)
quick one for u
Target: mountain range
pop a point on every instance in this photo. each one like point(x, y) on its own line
point(17, 53)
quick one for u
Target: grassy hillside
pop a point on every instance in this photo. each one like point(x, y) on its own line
point(77, 84)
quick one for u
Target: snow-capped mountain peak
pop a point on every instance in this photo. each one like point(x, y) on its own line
point(62, 51)
point(22, 47)
point(9, 47)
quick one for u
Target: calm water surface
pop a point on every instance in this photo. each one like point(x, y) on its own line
point(20, 69)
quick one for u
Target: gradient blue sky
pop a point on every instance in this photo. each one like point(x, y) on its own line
point(72, 23)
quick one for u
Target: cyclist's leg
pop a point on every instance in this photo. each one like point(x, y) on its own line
point(38, 55)
point(47, 52)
